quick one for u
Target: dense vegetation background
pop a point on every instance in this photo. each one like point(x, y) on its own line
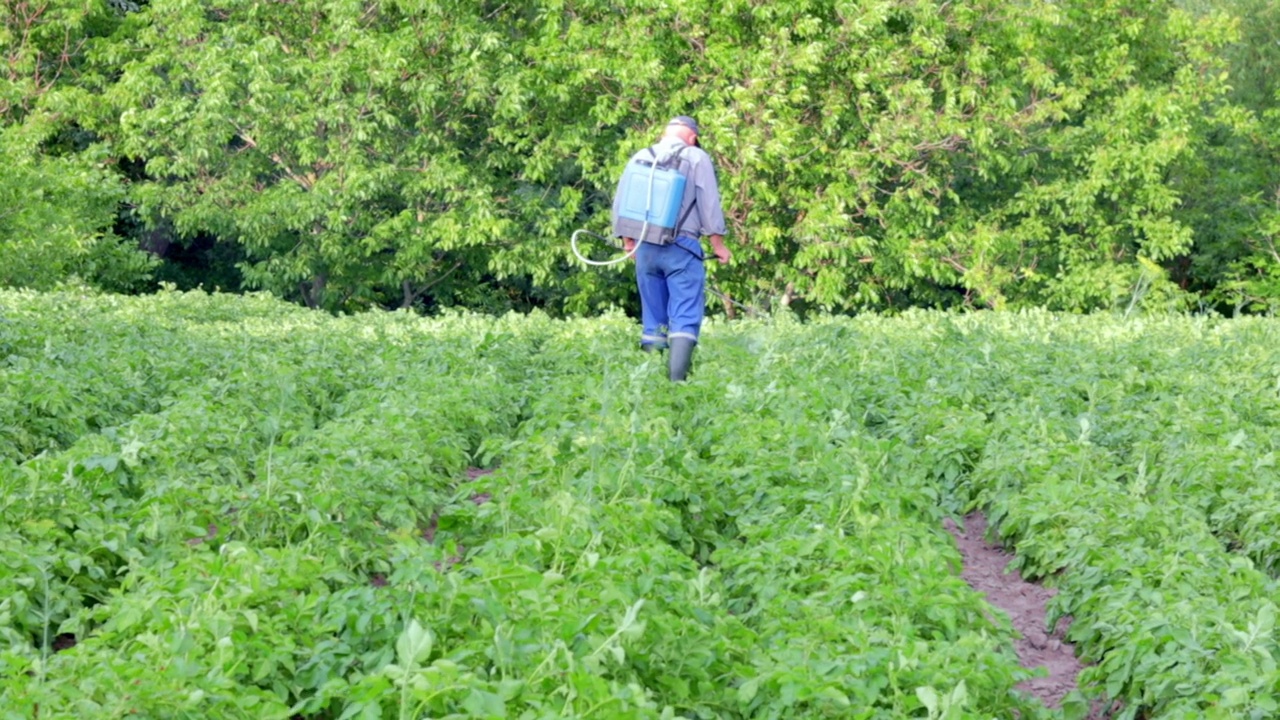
point(873, 154)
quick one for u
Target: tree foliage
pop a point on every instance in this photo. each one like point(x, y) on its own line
point(58, 197)
point(1231, 185)
point(873, 154)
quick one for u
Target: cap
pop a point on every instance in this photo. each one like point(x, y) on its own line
point(686, 121)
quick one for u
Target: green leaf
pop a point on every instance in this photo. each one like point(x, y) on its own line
point(835, 695)
point(1075, 706)
point(485, 704)
point(414, 644)
point(1235, 697)
point(108, 463)
point(929, 698)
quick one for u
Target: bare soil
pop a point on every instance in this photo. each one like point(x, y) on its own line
point(209, 536)
point(429, 532)
point(473, 473)
point(986, 570)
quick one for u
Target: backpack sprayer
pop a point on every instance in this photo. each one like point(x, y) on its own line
point(637, 206)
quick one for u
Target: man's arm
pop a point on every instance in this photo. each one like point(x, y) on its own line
point(721, 251)
point(709, 211)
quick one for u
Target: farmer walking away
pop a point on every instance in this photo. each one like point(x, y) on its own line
point(667, 200)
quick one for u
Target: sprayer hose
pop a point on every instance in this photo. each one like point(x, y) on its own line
point(573, 243)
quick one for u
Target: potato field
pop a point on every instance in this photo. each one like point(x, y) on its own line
point(231, 507)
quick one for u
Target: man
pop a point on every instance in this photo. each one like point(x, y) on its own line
point(671, 277)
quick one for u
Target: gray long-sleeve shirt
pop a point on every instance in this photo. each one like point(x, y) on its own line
point(707, 217)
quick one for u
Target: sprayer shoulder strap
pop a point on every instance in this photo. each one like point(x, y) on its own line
point(674, 158)
point(685, 215)
point(689, 210)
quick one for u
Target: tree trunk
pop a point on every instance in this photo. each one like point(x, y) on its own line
point(313, 292)
point(788, 294)
point(730, 311)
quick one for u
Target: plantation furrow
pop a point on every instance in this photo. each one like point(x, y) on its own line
point(1131, 543)
point(986, 569)
point(1144, 578)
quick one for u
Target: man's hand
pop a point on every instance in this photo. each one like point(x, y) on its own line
point(721, 251)
point(628, 245)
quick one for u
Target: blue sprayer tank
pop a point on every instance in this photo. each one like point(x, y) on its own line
point(663, 206)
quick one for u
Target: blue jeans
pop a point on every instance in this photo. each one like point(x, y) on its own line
point(672, 280)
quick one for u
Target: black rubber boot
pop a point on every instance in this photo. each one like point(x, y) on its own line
point(681, 357)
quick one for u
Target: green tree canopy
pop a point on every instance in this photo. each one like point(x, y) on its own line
point(58, 196)
point(873, 154)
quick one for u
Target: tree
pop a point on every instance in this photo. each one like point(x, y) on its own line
point(344, 145)
point(885, 154)
point(58, 197)
point(872, 153)
point(1231, 184)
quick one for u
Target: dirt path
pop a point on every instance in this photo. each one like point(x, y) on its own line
point(1024, 603)
point(429, 532)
